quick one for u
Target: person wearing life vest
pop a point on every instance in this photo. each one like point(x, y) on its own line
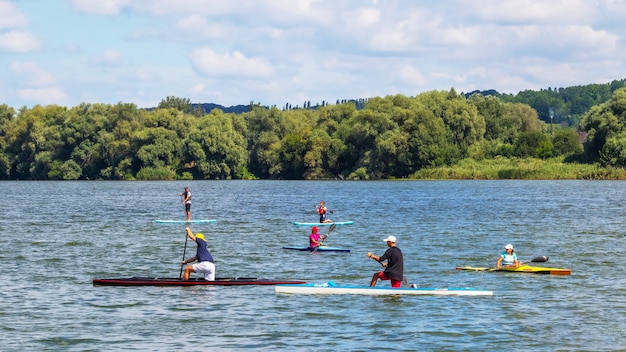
point(205, 264)
point(508, 258)
point(321, 209)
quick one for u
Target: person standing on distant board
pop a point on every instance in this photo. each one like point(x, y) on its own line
point(205, 264)
point(321, 209)
point(508, 258)
point(187, 202)
point(394, 267)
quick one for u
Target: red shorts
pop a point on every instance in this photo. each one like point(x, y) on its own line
point(394, 283)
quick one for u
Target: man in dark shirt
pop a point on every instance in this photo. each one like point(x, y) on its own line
point(394, 266)
point(205, 264)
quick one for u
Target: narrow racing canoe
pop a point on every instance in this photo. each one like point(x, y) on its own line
point(319, 249)
point(323, 223)
point(525, 268)
point(331, 288)
point(161, 281)
point(199, 221)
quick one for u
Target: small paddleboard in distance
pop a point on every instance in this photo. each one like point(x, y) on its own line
point(199, 221)
point(323, 223)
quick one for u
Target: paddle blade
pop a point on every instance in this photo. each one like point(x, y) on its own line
point(541, 259)
point(332, 228)
point(405, 281)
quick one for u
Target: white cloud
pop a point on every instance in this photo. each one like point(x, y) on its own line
point(548, 12)
point(100, 7)
point(10, 16)
point(146, 75)
point(367, 16)
point(38, 84)
point(233, 65)
point(32, 74)
point(47, 95)
point(108, 57)
point(19, 42)
point(198, 28)
point(411, 76)
point(282, 51)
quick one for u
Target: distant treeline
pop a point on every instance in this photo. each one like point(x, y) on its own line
point(563, 106)
point(390, 137)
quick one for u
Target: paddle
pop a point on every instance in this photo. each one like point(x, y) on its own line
point(332, 211)
point(330, 229)
point(184, 252)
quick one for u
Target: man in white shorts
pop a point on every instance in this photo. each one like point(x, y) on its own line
point(205, 264)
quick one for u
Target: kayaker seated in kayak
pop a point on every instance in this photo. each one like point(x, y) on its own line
point(315, 239)
point(394, 265)
point(508, 258)
point(205, 264)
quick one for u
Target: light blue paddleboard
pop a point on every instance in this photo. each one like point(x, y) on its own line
point(323, 224)
point(183, 221)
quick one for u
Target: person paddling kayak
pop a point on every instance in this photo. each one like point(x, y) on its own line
point(508, 258)
point(394, 265)
point(315, 239)
point(205, 264)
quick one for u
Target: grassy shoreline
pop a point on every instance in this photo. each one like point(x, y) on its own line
point(520, 169)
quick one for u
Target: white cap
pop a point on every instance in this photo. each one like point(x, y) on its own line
point(390, 239)
point(508, 246)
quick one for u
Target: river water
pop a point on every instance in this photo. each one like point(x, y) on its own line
point(55, 237)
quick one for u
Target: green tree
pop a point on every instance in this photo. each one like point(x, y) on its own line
point(532, 144)
point(215, 148)
point(565, 142)
point(180, 104)
point(603, 122)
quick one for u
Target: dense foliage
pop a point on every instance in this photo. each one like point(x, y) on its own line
point(390, 137)
point(563, 106)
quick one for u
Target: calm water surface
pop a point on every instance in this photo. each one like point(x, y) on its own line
point(55, 237)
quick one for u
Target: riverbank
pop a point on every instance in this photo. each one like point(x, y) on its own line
point(520, 169)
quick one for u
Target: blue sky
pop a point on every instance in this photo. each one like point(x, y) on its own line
point(274, 52)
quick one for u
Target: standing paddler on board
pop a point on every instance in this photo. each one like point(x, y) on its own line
point(186, 200)
point(205, 264)
point(393, 262)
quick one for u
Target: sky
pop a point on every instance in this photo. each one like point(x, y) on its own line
point(278, 52)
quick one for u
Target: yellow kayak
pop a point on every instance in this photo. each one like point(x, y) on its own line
point(524, 268)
